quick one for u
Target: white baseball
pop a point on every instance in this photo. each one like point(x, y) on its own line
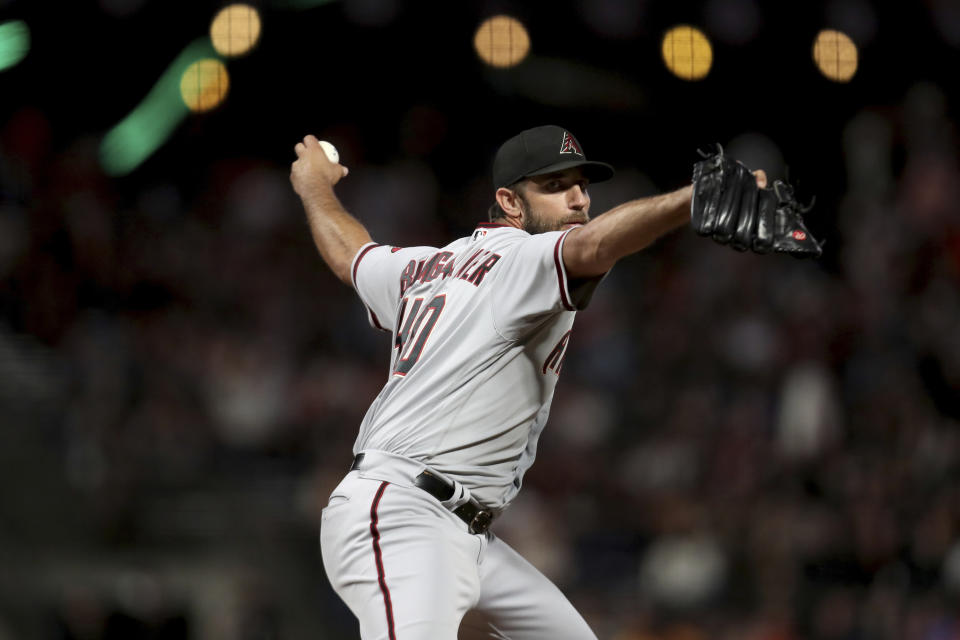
point(332, 154)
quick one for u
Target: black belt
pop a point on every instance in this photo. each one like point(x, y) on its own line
point(477, 517)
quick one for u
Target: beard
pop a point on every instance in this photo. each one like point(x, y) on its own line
point(534, 222)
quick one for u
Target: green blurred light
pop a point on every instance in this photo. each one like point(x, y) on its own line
point(151, 123)
point(14, 43)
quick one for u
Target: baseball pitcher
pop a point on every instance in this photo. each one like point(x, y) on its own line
point(479, 332)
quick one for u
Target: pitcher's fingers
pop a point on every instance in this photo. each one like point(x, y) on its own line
point(761, 178)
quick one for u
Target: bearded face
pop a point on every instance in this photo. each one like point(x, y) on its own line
point(550, 202)
point(535, 220)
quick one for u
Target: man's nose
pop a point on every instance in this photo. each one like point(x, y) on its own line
point(577, 197)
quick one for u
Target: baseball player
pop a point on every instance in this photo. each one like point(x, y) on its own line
point(479, 332)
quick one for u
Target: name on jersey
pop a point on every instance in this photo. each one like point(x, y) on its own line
point(440, 265)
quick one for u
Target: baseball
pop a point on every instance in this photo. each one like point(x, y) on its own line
point(332, 154)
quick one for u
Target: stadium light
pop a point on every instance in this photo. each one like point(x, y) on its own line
point(14, 43)
point(835, 55)
point(204, 84)
point(502, 41)
point(235, 30)
point(687, 52)
point(152, 121)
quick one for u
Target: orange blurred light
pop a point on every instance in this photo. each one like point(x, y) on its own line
point(502, 41)
point(235, 30)
point(835, 55)
point(204, 84)
point(687, 52)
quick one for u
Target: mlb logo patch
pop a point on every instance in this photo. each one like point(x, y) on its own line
point(569, 144)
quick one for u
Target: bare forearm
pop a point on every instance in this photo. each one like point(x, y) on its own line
point(337, 234)
point(594, 248)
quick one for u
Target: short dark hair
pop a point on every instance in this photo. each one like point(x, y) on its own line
point(495, 212)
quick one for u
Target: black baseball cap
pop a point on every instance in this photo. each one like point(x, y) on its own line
point(541, 150)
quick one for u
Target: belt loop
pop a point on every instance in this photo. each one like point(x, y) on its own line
point(357, 461)
point(461, 496)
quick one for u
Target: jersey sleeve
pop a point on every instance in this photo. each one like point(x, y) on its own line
point(376, 272)
point(533, 283)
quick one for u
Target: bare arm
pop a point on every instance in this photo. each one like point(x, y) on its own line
point(592, 249)
point(337, 234)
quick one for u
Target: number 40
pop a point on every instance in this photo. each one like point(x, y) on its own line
point(417, 328)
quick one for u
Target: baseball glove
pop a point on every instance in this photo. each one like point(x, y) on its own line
point(729, 207)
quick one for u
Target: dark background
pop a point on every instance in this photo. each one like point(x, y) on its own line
point(741, 446)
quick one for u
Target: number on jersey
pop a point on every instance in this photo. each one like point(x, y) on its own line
point(417, 325)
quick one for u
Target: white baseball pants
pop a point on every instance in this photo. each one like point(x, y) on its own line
point(409, 569)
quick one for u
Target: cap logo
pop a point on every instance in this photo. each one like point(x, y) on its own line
point(569, 145)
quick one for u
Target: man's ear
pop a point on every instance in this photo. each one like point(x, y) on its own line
point(509, 201)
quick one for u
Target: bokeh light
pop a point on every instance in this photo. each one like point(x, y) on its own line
point(835, 55)
point(687, 52)
point(132, 140)
point(502, 41)
point(204, 84)
point(235, 30)
point(14, 43)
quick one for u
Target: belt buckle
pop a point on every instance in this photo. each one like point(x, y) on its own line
point(481, 521)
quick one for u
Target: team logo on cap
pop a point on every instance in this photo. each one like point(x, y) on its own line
point(569, 145)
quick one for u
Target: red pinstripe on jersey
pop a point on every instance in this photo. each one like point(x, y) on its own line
point(353, 276)
point(378, 555)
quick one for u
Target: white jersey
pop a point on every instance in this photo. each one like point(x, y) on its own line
point(480, 328)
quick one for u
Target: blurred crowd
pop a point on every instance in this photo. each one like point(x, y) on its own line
point(741, 447)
